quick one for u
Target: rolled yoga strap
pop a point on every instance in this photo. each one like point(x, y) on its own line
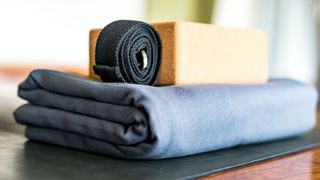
point(128, 51)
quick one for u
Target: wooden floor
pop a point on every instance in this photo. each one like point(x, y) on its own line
point(303, 165)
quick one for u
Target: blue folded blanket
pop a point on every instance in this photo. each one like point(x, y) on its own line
point(145, 122)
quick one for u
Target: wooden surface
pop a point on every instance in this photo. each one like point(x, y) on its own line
point(18, 73)
point(303, 165)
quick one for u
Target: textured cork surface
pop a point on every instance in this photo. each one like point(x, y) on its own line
point(93, 36)
point(195, 53)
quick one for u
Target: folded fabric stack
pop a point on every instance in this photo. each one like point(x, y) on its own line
point(127, 118)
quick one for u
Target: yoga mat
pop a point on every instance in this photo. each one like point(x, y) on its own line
point(128, 51)
point(195, 53)
point(145, 122)
point(37, 161)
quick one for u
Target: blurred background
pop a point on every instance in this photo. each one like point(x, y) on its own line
point(55, 34)
point(38, 33)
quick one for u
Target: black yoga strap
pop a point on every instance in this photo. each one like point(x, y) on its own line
point(128, 51)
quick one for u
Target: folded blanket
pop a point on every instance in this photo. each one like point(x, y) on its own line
point(145, 122)
point(128, 51)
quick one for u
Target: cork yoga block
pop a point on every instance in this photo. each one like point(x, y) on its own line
point(93, 36)
point(195, 53)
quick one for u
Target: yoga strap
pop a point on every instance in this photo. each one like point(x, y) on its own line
point(128, 51)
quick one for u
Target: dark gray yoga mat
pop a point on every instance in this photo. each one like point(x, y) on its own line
point(41, 161)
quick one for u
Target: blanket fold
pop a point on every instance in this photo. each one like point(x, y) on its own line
point(145, 122)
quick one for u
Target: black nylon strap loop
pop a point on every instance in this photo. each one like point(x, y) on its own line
point(118, 53)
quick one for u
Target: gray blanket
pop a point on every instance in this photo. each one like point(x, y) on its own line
point(145, 122)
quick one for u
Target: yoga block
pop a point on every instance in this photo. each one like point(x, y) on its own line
point(93, 36)
point(196, 53)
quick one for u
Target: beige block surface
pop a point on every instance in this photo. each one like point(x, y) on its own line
point(93, 36)
point(195, 53)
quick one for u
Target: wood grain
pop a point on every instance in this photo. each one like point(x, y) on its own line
point(21, 72)
point(303, 165)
